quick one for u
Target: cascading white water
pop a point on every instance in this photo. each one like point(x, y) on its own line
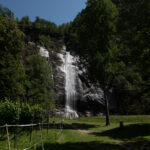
point(70, 86)
point(67, 70)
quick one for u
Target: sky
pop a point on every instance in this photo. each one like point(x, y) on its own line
point(57, 11)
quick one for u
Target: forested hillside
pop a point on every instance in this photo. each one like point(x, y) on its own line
point(25, 76)
point(112, 39)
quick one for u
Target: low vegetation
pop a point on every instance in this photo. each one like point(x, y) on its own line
point(89, 133)
point(15, 113)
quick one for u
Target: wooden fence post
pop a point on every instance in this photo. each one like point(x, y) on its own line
point(47, 122)
point(8, 137)
point(16, 137)
point(31, 128)
point(41, 137)
point(47, 127)
point(54, 125)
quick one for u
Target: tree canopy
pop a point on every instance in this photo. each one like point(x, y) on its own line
point(11, 72)
point(39, 84)
point(113, 38)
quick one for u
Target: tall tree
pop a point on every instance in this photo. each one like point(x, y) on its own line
point(11, 72)
point(134, 41)
point(96, 27)
point(39, 84)
point(5, 12)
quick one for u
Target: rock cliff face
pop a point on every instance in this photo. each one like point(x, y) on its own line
point(57, 60)
point(72, 89)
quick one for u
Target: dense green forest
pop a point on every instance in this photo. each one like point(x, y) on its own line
point(112, 39)
point(25, 76)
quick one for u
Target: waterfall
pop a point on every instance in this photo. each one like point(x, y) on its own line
point(72, 87)
point(71, 78)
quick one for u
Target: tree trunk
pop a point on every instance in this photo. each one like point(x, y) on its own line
point(106, 107)
point(47, 121)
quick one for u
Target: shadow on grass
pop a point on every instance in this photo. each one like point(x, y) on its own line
point(81, 146)
point(128, 132)
point(74, 126)
point(79, 126)
point(26, 130)
point(139, 145)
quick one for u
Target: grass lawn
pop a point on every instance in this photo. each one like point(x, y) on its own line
point(90, 133)
point(24, 136)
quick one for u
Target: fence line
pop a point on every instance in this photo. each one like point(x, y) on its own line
point(24, 125)
point(3, 126)
point(8, 137)
point(60, 132)
point(31, 125)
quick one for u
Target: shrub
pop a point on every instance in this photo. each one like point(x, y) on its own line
point(45, 41)
point(37, 114)
point(26, 114)
point(9, 112)
point(30, 114)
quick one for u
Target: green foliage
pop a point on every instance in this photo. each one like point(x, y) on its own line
point(45, 26)
point(43, 32)
point(25, 21)
point(30, 114)
point(12, 71)
point(116, 52)
point(5, 12)
point(36, 113)
point(26, 114)
point(133, 40)
point(12, 113)
point(96, 27)
point(45, 41)
point(9, 112)
point(95, 30)
point(39, 73)
point(64, 28)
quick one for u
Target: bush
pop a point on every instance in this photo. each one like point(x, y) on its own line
point(37, 114)
point(26, 114)
point(30, 114)
point(45, 41)
point(9, 112)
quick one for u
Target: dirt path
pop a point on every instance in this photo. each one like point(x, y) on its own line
point(84, 131)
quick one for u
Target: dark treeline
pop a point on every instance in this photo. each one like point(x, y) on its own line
point(26, 84)
point(114, 38)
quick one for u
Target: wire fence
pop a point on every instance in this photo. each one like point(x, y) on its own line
point(37, 135)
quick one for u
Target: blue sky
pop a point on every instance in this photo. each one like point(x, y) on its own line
point(58, 11)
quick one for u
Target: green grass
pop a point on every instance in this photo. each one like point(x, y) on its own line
point(24, 136)
point(90, 133)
